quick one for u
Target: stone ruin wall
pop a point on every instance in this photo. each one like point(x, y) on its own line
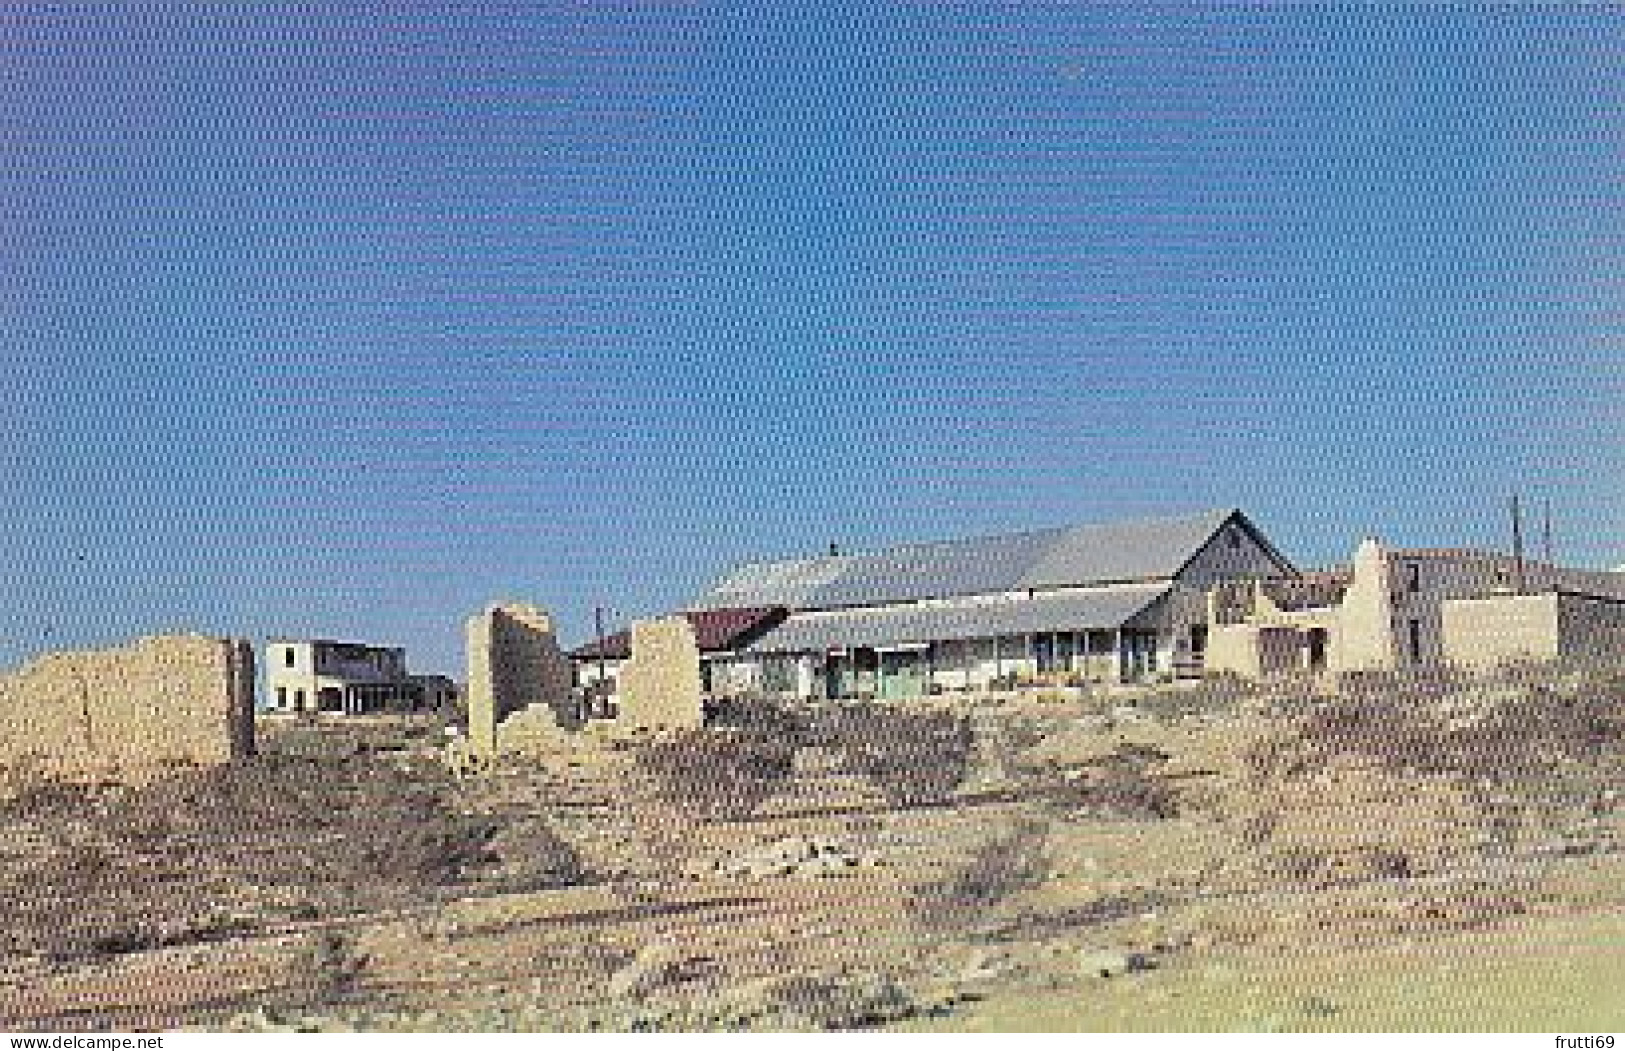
point(514, 662)
point(161, 702)
point(660, 686)
point(519, 685)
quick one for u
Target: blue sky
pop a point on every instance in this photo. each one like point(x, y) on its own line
point(346, 319)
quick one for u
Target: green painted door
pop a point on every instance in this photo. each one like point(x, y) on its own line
point(902, 675)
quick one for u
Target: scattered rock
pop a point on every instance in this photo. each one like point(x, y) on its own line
point(656, 965)
point(980, 972)
point(1111, 963)
point(794, 856)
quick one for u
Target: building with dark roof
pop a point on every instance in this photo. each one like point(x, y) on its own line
point(721, 635)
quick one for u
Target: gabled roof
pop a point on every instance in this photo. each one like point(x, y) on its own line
point(1076, 556)
point(714, 630)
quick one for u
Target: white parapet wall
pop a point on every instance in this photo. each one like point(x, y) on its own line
point(1497, 629)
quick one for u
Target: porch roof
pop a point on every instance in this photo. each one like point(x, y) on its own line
point(966, 618)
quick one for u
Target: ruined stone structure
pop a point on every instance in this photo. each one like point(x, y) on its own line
point(660, 686)
point(156, 703)
point(1404, 609)
point(514, 661)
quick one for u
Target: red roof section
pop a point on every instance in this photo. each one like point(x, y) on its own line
point(714, 629)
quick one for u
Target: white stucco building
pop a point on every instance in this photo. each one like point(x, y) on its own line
point(350, 678)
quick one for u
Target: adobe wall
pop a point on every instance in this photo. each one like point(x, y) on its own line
point(1232, 649)
point(1481, 633)
point(158, 702)
point(660, 685)
point(1253, 651)
point(514, 661)
point(1484, 632)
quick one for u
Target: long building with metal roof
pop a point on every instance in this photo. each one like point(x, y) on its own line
point(1105, 602)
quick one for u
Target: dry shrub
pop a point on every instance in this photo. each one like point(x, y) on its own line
point(915, 757)
point(362, 822)
point(533, 856)
point(997, 870)
point(332, 968)
point(756, 714)
point(715, 775)
point(832, 1001)
point(1350, 822)
point(1218, 696)
point(1123, 784)
point(1404, 776)
point(208, 853)
point(1122, 792)
point(1377, 915)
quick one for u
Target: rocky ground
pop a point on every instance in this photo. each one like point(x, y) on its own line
point(1404, 855)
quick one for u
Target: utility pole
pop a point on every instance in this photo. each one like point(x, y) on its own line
point(1517, 546)
point(1546, 533)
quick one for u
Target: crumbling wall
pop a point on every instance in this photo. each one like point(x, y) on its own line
point(1254, 651)
point(1233, 649)
point(514, 661)
point(159, 702)
point(660, 686)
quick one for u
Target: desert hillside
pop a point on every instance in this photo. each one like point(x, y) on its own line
point(1405, 854)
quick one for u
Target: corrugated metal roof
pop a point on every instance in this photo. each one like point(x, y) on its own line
point(791, 583)
point(1150, 549)
point(1077, 556)
point(968, 618)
